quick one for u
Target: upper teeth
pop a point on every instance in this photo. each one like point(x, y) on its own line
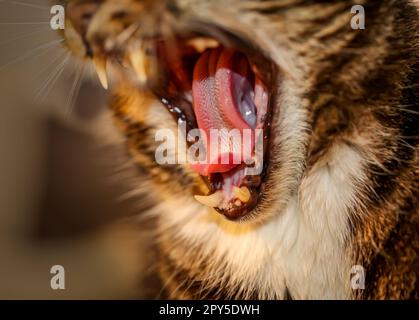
point(212, 200)
point(138, 61)
point(100, 65)
point(201, 44)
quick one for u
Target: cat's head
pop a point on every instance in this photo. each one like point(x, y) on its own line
point(243, 64)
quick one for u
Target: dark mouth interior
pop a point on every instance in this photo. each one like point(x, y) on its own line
point(192, 75)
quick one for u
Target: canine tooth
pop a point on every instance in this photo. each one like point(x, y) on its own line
point(188, 96)
point(212, 200)
point(243, 193)
point(200, 44)
point(138, 61)
point(100, 66)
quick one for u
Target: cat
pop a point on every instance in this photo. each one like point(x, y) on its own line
point(334, 214)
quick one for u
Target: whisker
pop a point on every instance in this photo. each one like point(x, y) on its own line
point(48, 87)
point(45, 83)
point(21, 3)
point(400, 107)
point(74, 91)
point(51, 79)
point(28, 54)
point(23, 23)
point(49, 65)
point(22, 36)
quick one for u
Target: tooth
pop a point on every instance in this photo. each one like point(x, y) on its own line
point(212, 200)
point(200, 44)
point(243, 193)
point(138, 60)
point(100, 65)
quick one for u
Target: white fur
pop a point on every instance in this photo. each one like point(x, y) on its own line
point(302, 248)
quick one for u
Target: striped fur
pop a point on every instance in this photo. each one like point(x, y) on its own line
point(342, 185)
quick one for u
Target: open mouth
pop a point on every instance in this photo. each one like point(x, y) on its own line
point(216, 84)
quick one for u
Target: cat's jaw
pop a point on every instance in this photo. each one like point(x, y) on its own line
point(302, 251)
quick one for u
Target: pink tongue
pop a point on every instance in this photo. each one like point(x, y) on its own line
point(219, 76)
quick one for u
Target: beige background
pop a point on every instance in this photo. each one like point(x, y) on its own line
point(63, 174)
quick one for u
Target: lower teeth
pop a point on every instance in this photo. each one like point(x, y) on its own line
point(243, 194)
point(212, 200)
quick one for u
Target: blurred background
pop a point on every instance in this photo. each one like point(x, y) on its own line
point(66, 180)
